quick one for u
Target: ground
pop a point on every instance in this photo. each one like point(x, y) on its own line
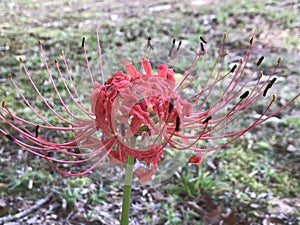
point(253, 181)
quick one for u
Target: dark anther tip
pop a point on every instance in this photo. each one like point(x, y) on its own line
point(269, 86)
point(83, 41)
point(37, 131)
point(233, 68)
point(260, 60)
point(149, 43)
point(272, 82)
point(177, 124)
point(207, 119)
point(179, 44)
point(171, 105)
point(202, 39)
point(266, 90)
point(245, 95)
point(172, 48)
point(202, 46)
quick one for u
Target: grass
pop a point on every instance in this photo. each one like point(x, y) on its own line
point(253, 169)
point(193, 182)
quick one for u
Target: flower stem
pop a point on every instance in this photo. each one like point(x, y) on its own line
point(127, 190)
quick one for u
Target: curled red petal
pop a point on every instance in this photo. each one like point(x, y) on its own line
point(170, 75)
point(130, 69)
point(196, 159)
point(146, 65)
point(145, 175)
point(162, 70)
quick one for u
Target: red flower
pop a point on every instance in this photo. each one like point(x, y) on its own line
point(144, 111)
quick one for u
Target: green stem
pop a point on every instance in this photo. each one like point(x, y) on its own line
point(127, 190)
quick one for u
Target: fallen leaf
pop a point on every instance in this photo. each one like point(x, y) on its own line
point(229, 218)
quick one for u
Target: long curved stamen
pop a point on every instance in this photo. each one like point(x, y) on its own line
point(54, 86)
point(73, 85)
point(42, 97)
point(50, 127)
point(100, 57)
point(177, 54)
point(80, 106)
point(171, 52)
point(87, 60)
point(41, 142)
point(27, 102)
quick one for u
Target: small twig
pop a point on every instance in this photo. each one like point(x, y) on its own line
point(67, 220)
point(19, 215)
point(197, 208)
point(4, 48)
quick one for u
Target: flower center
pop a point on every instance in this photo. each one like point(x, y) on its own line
point(142, 110)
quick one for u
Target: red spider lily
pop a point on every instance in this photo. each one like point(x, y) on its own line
point(142, 112)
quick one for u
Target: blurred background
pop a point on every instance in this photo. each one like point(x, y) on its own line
point(255, 180)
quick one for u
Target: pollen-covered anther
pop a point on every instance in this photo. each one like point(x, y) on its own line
point(244, 95)
point(241, 61)
point(224, 35)
point(21, 59)
point(3, 104)
point(252, 40)
point(40, 42)
point(274, 98)
point(260, 60)
point(149, 108)
point(62, 52)
point(261, 73)
point(279, 59)
point(9, 76)
point(225, 52)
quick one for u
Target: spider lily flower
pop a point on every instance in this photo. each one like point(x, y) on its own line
point(144, 111)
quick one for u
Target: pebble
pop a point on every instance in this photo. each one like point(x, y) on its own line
point(291, 148)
